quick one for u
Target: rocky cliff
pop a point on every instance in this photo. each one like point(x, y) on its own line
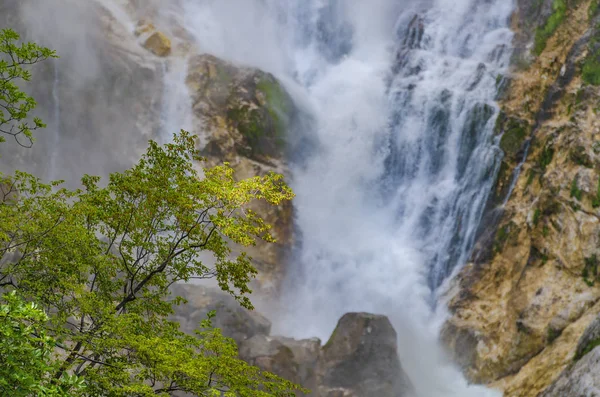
point(128, 73)
point(519, 309)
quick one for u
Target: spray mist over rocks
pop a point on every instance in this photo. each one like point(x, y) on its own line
point(400, 96)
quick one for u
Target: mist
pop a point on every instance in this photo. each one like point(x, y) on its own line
point(402, 158)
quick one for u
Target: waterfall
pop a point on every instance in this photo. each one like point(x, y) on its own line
point(55, 144)
point(176, 113)
point(399, 98)
point(401, 94)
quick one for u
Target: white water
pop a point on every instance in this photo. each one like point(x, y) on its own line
point(176, 100)
point(54, 145)
point(389, 198)
point(391, 192)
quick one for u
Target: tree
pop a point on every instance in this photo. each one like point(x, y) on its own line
point(98, 262)
point(101, 260)
point(15, 105)
point(26, 353)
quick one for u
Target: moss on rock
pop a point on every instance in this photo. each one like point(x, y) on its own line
point(515, 133)
point(543, 33)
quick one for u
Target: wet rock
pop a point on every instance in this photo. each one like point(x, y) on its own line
point(159, 44)
point(247, 116)
point(522, 306)
point(249, 109)
point(361, 359)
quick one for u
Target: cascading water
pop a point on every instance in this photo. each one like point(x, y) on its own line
point(176, 113)
point(54, 145)
point(402, 97)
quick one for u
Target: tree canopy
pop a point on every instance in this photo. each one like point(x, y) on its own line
point(15, 104)
point(86, 272)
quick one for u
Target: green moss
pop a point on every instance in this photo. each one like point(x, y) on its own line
point(553, 334)
point(508, 232)
point(546, 157)
point(515, 132)
point(590, 270)
point(249, 123)
point(590, 72)
point(545, 231)
point(536, 216)
point(278, 103)
point(575, 191)
point(223, 76)
point(596, 199)
point(593, 9)
point(330, 340)
point(530, 177)
point(580, 157)
point(542, 34)
point(588, 348)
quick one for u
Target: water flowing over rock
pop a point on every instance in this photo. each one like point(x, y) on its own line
point(359, 359)
point(519, 310)
point(158, 44)
point(407, 149)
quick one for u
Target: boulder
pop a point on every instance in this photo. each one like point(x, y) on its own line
point(295, 360)
point(247, 114)
point(361, 359)
point(234, 321)
point(247, 110)
point(159, 44)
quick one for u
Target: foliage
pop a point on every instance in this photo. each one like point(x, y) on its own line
point(593, 9)
point(542, 34)
point(575, 190)
point(546, 157)
point(536, 216)
point(515, 132)
point(590, 71)
point(588, 348)
point(101, 260)
point(26, 353)
point(590, 271)
point(15, 105)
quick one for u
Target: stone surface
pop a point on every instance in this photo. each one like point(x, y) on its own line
point(361, 359)
point(295, 360)
point(246, 114)
point(520, 308)
point(235, 321)
point(159, 44)
point(582, 380)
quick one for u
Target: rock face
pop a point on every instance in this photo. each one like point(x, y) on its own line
point(361, 359)
point(246, 114)
point(295, 360)
point(583, 379)
point(235, 321)
point(104, 92)
point(158, 44)
point(522, 304)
